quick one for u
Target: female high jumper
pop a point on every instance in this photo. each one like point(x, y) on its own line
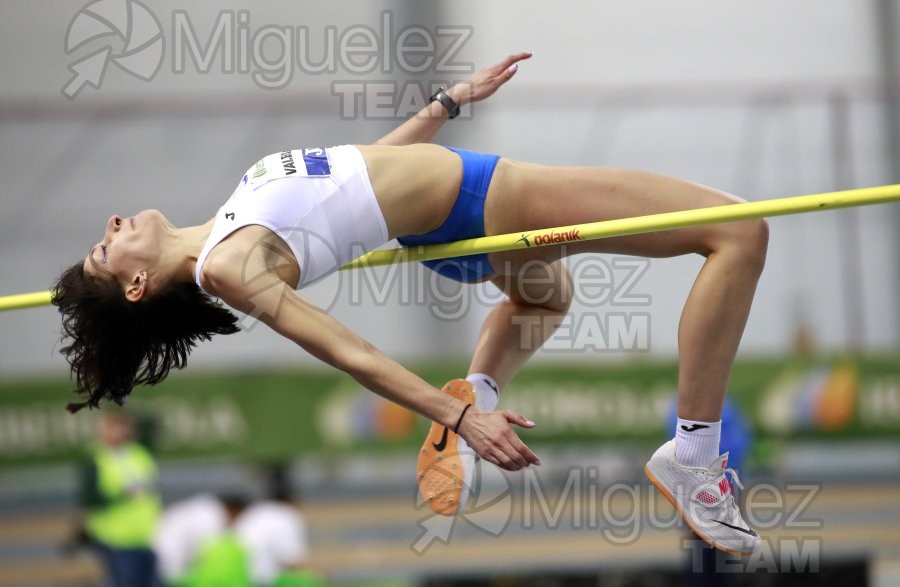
point(143, 296)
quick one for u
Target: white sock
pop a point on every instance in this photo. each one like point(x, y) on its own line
point(487, 392)
point(697, 443)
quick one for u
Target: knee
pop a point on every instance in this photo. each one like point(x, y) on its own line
point(564, 289)
point(546, 286)
point(749, 239)
point(758, 241)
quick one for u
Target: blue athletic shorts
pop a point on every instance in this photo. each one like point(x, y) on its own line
point(466, 220)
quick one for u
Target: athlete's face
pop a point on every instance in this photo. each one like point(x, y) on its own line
point(128, 251)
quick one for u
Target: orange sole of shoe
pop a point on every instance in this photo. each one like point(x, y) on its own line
point(439, 468)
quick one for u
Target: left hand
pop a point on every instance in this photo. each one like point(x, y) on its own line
point(484, 83)
point(491, 436)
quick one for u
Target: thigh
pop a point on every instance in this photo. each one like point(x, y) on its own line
point(526, 196)
point(537, 282)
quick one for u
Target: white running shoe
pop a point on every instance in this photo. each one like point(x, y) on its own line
point(704, 499)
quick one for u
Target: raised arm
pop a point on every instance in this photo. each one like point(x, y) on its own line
point(422, 127)
point(276, 304)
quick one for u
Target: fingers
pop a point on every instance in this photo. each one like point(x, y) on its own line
point(520, 454)
point(509, 66)
point(507, 74)
point(507, 458)
point(516, 444)
point(509, 451)
point(510, 458)
point(517, 419)
point(526, 453)
point(502, 461)
point(514, 60)
point(513, 456)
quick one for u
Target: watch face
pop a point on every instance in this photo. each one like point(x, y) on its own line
point(447, 102)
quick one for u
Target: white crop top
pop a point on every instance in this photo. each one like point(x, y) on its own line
point(319, 201)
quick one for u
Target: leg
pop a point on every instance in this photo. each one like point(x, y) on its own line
point(113, 563)
point(142, 568)
point(527, 197)
point(538, 298)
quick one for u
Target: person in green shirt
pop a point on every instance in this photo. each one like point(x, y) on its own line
point(222, 560)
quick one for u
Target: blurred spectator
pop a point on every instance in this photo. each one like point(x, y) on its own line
point(220, 541)
point(221, 560)
point(183, 528)
point(274, 533)
point(121, 503)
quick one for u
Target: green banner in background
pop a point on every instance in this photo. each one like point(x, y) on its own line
point(270, 415)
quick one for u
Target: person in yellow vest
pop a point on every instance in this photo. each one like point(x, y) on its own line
point(121, 502)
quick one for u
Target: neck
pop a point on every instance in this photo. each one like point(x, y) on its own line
point(184, 248)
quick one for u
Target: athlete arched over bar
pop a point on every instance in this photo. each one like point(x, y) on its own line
point(137, 303)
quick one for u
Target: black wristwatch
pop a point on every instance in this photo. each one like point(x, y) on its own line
point(446, 101)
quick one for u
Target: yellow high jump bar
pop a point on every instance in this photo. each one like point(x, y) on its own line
point(637, 225)
point(589, 231)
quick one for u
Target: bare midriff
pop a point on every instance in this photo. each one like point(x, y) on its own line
point(415, 185)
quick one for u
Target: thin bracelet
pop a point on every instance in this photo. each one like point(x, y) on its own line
point(458, 422)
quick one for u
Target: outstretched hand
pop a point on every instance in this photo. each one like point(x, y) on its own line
point(491, 436)
point(484, 83)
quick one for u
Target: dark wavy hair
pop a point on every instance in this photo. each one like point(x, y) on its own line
point(113, 344)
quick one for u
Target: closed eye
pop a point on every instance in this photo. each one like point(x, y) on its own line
point(92, 257)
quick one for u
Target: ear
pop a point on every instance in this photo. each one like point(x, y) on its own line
point(138, 287)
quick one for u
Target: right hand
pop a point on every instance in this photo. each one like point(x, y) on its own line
point(490, 434)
